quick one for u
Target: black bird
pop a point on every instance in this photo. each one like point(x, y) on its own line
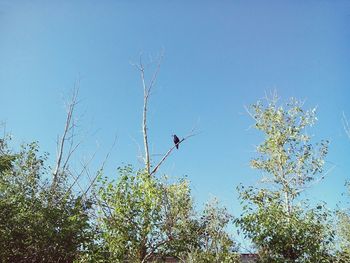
point(176, 141)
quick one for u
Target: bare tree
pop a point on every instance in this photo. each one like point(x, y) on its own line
point(67, 145)
point(147, 91)
point(147, 88)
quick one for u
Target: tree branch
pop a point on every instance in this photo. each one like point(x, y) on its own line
point(146, 94)
point(170, 150)
point(144, 119)
point(101, 168)
point(147, 89)
point(346, 125)
point(69, 128)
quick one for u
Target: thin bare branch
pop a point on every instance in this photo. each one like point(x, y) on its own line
point(139, 155)
point(70, 153)
point(102, 166)
point(249, 113)
point(76, 180)
point(83, 170)
point(155, 74)
point(346, 125)
point(166, 155)
point(66, 136)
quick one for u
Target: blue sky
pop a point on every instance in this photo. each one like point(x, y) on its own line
point(219, 56)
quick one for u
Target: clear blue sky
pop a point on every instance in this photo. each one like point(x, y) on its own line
point(219, 56)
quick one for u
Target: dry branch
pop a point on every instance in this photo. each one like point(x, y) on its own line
point(147, 88)
point(101, 168)
point(346, 125)
point(67, 137)
point(166, 155)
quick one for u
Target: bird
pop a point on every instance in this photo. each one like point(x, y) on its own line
point(176, 141)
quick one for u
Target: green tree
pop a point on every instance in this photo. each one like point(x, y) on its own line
point(283, 228)
point(343, 215)
point(42, 219)
point(32, 229)
point(343, 230)
point(143, 218)
point(214, 244)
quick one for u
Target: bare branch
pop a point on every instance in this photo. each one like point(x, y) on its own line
point(147, 91)
point(68, 134)
point(146, 94)
point(84, 169)
point(346, 125)
point(249, 112)
point(144, 120)
point(155, 74)
point(139, 155)
point(76, 178)
point(70, 153)
point(170, 150)
point(102, 167)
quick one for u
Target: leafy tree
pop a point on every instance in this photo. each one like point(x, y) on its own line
point(32, 228)
point(288, 159)
point(343, 227)
point(214, 243)
point(41, 218)
point(282, 229)
point(343, 215)
point(144, 218)
point(304, 235)
point(6, 158)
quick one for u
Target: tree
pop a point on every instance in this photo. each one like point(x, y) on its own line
point(282, 229)
point(343, 230)
point(147, 91)
point(343, 216)
point(41, 218)
point(31, 229)
point(143, 218)
point(214, 243)
point(304, 235)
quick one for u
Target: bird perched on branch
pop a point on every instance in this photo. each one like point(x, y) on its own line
point(176, 141)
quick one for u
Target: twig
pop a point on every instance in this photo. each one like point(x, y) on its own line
point(84, 169)
point(102, 166)
point(346, 125)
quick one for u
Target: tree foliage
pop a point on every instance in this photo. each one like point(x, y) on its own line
point(32, 228)
point(144, 218)
point(214, 243)
point(304, 235)
point(343, 230)
point(287, 156)
point(282, 229)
